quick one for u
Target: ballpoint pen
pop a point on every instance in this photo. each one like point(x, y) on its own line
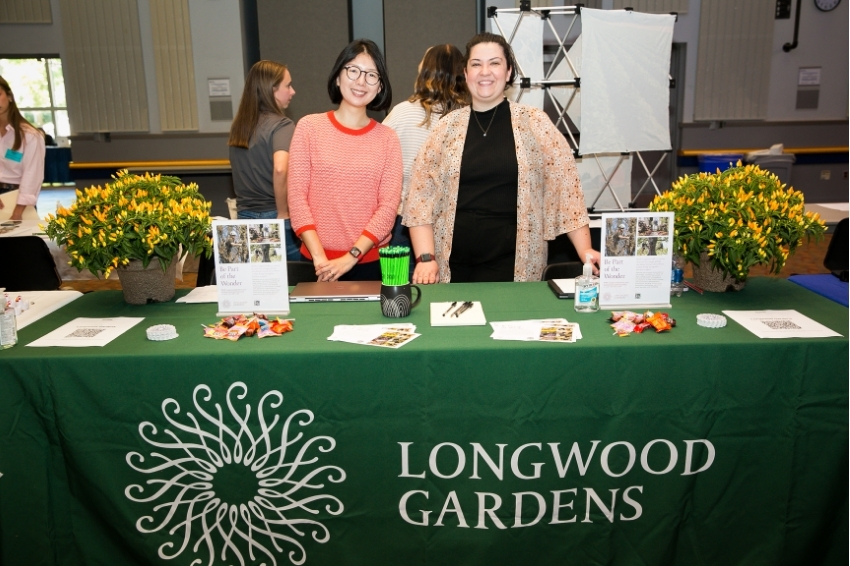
point(457, 309)
point(450, 308)
point(463, 308)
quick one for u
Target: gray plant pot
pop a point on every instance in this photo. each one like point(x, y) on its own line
point(147, 285)
point(710, 279)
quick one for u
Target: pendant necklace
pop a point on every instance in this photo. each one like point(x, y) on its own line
point(483, 131)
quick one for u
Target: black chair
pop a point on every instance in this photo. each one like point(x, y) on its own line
point(563, 270)
point(836, 259)
point(206, 271)
point(298, 271)
point(27, 265)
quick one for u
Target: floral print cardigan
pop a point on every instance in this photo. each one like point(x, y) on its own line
point(550, 201)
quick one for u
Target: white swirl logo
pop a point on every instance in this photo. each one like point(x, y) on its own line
point(230, 485)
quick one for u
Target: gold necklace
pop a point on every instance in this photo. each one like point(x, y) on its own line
point(483, 131)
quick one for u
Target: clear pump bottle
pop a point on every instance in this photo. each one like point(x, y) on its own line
point(8, 328)
point(587, 288)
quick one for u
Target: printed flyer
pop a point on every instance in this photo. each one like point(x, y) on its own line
point(637, 257)
point(250, 266)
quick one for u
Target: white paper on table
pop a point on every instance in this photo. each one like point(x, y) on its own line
point(10, 228)
point(208, 294)
point(473, 316)
point(531, 330)
point(780, 324)
point(42, 303)
point(382, 335)
point(82, 332)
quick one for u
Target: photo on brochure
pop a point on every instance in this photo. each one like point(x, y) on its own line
point(621, 239)
point(557, 333)
point(266, 253)
point(264, 233)
point(232, 243)
point(392, 339)
point(652, 235)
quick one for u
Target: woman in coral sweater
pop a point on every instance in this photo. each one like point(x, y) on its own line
point(345, 171)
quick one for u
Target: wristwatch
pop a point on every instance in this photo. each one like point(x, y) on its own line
point(355, 251)
point(425, 258)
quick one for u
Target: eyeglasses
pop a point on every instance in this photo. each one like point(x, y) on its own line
point(353, 73)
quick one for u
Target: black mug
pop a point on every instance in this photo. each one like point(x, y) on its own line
point(396, 300)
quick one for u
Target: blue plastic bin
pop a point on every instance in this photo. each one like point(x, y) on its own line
point(711, 162)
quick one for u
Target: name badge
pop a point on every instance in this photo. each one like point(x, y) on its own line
point(13, 155)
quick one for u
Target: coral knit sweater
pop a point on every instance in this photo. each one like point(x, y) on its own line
point(344, 183)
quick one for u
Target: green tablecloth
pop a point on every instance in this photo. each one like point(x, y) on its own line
point(690, 447)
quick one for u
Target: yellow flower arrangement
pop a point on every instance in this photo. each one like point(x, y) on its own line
point(133, 217)
point(740, 217)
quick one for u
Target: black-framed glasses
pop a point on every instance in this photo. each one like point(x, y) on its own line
point(353, 73)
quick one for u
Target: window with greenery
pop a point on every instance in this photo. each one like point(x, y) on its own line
point(39, 88)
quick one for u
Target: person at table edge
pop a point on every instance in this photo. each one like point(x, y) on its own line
point(21, 153)
point(484, 206)
point(345, 171)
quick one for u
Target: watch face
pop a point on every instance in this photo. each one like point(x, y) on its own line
point(827, 5)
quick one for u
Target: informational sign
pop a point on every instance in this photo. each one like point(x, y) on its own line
point(636, 260)
point(219, 87)
point(250, 264)
point(809, 76)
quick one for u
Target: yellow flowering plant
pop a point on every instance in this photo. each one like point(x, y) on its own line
point(141, 217)
point(740, 217)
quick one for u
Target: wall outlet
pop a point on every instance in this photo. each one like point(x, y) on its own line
point(825, 174)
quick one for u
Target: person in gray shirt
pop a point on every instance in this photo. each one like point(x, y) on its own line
point(259, 148)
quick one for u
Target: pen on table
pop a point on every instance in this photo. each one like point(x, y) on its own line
point(450, 308)
point(463, 308)
point(692, 286)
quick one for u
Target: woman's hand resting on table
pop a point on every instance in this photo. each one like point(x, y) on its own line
point(426, 273)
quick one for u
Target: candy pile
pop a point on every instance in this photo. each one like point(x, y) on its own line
point(233, 327)
point(626, 322)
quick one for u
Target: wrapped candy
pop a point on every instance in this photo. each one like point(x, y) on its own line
point(234, 327)
point(660, 321)
point(626, 322)
point(623, 327)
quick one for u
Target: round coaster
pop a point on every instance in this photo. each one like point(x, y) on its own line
point(711, 320)
point(161, 332)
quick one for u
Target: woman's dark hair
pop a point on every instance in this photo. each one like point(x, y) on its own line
point(487, 37)
point(257, 97)
point(384, 98)
point(16, 120)
point(440, 85)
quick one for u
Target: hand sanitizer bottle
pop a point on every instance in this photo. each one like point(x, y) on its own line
point(587, 288)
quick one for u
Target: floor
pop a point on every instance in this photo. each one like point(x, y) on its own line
point(807, 259)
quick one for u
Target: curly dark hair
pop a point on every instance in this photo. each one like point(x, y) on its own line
point(441, 85)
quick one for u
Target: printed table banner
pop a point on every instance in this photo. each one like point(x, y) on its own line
point(695, 446)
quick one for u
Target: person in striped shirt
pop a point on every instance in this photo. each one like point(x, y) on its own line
point(345, 171)
point(440, 87)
